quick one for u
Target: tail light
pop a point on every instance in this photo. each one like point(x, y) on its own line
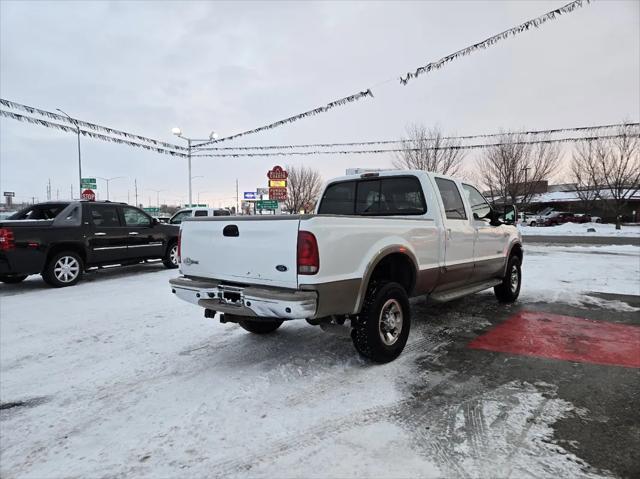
point(308, 255)
point(179, 245)
point(7, 240)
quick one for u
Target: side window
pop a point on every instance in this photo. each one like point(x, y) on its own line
point(104, 216)
point(200, 213)
point(221, 213)
point(402, 196)
point(453, 205)
point(178, 217)
point(368, 198)
point(135, 217)
point(339, 199)
point(479, 206)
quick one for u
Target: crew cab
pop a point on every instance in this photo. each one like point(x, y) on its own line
point(60, 240)
point(374, 241)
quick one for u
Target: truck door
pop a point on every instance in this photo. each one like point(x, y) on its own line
point(106, 236)
point(145, 240)
point(490, 241)
point(459, 236)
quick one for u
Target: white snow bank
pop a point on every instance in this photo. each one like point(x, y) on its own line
point(580, 229)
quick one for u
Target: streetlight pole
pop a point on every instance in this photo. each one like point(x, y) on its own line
point(190, 145)
point(157, 196)
point(108, 180)
point(75, 122)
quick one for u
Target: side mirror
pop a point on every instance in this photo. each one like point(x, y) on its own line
point(154, 221)
point(510, 215)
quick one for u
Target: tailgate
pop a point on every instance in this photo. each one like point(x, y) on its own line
point(257, 251)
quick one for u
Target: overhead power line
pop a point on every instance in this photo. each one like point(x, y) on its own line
point(11, 105)
point(399, 150)
point(435, 65)
point(91, 134)
point(388, 142)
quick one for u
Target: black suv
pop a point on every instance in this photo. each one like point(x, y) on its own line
point(60, 240)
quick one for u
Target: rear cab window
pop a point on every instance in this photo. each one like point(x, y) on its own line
point(451, 198)
point(384, 196)
point(201, 213)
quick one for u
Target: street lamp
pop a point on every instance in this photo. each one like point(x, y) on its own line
point(157, 195)
point(178, 132)
point(108, 180)
point(75, 122)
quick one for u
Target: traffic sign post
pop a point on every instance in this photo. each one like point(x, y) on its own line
point(89, 183)
point(267, 205)
point(249, 195)
point(88, 195)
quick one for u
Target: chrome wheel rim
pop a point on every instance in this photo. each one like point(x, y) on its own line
point(66, 269)
point(390, 322)
point(515, 278)
point(173, 255)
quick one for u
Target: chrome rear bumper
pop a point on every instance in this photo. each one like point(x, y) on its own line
point(253, 301)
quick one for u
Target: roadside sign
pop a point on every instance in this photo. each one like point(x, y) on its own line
point(249, 195)
point(279, 194)
point(154, 210)
point(267, 205)
point(194, 205)
point(88, 195)
point(277, 173)
point(262, 191)
point(89, 183)
point(9, 193)
point(277, 183)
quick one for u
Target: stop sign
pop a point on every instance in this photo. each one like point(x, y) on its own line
point(88, 195)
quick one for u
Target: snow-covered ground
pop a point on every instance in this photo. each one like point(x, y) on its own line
point(121, 379)
point(580, 229)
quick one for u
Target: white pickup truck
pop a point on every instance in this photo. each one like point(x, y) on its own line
point(375, 240)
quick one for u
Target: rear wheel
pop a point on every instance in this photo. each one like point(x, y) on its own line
point(260, 326)
point(381, 330)
point(13, 278)
point(63, 269)
point(509, 290)
point(170, 259)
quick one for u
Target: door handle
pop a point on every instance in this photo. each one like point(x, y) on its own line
point(101, 234)
point(133, 233)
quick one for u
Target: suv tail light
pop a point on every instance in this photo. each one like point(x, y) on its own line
point(179, 245)
point(7, 240)
point(308, 255)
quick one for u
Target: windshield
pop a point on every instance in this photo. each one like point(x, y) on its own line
point(39, 212)
point(179, 216)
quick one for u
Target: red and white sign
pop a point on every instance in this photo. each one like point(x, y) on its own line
point(88, 195)
point(279, 194)
point(277, 173)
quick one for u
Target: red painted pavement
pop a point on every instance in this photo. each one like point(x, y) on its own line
point(568, 338)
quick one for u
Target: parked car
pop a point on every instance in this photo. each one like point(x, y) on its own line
point(558, 218)
point(527, 219)
point(376, 239)
point(60, 240)
point(586, 218)
point(163, 219)
point(540, 217)
point(180, 215)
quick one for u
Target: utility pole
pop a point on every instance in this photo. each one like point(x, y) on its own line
point(128, 200)
point(135, 183)
point(71, 190)
point(75, 122)
point(526, 188)
point(237, 199)
point(178, 132)
point(57, 193)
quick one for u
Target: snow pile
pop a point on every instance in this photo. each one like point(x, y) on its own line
point(580, 229)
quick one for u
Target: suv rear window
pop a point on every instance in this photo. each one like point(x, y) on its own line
point(387, 196)
point(39, 212)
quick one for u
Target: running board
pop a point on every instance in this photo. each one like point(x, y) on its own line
point(467, 290)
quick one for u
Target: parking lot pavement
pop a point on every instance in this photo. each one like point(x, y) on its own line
point(116, 377)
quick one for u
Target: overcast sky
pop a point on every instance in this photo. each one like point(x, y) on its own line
point(146, 67)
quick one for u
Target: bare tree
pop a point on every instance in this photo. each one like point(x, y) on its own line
point(618, 164)
point(303, 188)
point(585, 174)
point(512, 169)
point(429, 150)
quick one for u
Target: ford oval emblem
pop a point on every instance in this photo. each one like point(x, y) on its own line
point(282, 268)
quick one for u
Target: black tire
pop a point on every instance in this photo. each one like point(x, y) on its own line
point(54, 273)
point(260, 326)
point(369, 328)
point(170, 260)
point(13, 278)
point(533, 224)
point(509, 290)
